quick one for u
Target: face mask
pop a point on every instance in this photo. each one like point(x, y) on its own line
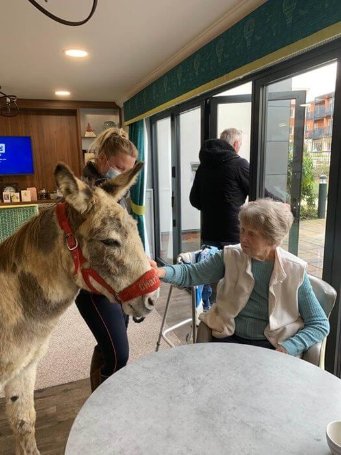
point(112, 173)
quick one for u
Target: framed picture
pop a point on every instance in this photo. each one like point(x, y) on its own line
point(6, 197)
point(15, 197)
point(25, 195)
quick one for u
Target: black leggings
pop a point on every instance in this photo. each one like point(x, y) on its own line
point(108, 323)
point(239, 340)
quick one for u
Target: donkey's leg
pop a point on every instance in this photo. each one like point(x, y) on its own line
point(19, 393)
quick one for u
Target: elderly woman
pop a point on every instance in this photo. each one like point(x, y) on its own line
point(264, 296)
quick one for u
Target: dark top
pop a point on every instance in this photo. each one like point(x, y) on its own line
point(220, 187)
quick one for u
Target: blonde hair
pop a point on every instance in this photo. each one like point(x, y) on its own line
point(112, 141)
point(273, 219)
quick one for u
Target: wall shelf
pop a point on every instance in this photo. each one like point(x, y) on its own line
point(96, 118)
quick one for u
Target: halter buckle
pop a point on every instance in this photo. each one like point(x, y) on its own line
point(71, 242)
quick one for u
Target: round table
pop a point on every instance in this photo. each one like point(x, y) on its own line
point(210, 398)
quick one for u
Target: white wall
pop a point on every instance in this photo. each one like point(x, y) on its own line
point(236, 115)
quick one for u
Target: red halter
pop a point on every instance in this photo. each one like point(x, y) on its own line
point(147, 283)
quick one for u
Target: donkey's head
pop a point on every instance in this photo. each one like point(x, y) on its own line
point(111, 258)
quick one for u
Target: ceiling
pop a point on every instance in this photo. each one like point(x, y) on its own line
point(130, 43)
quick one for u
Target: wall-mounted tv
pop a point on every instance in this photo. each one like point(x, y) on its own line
point(16, 157)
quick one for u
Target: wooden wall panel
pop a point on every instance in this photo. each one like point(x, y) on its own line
point(55, 137)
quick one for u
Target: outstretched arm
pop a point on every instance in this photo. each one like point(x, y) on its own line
point(205, 272)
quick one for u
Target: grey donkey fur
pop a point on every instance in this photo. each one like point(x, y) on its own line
point(37, 282)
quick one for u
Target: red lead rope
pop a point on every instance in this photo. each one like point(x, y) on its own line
point(147, 283)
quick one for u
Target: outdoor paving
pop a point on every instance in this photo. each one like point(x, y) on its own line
point(311, 244)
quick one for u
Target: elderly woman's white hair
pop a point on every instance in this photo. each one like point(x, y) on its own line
point(272, 219)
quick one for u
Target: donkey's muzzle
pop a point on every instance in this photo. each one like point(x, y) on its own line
point(141, 306)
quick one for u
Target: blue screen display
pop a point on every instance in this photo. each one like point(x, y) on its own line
point(16, 156)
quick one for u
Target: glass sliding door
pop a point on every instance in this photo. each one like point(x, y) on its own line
point(164, 183)
point(284, 133)
point(176, 145)
point(232, 109)
point(190, 140)
point(296, 137)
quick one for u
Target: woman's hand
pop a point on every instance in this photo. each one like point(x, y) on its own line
point(281, 349)
point(160, 271)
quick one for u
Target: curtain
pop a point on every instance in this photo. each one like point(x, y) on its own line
point(137, 192)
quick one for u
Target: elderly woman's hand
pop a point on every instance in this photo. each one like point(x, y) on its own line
point(161, 272)
point(281, 349)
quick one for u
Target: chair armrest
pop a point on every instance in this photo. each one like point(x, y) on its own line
point(204, 334)
point(312, 355)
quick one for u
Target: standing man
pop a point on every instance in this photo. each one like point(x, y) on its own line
point(220, 187)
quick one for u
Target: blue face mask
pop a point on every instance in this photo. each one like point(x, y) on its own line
point(112, 173)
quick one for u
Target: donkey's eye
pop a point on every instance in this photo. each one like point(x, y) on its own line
point(111, 242)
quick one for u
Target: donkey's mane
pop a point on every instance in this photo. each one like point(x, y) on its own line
point(12, 248)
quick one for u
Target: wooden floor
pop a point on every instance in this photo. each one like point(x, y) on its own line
point(56, 409)
point(58, 406)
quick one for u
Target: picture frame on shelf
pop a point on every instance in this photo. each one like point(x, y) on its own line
point(15, 197)
point(6, 197)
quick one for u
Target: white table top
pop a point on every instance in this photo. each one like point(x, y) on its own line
point(210, 398)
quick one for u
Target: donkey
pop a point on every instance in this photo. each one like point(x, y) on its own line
point(90, 242)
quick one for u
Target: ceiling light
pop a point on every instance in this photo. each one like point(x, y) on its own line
point(77, 53)
point(62, 93)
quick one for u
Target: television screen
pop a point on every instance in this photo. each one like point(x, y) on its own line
point(16, 156)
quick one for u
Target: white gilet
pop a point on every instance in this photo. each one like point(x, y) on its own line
point(234, 290)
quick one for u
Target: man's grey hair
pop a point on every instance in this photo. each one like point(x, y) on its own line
point(231, 135)
point(272, 219)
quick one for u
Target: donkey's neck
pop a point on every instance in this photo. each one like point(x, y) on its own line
point(38, 257)
point(55, 265)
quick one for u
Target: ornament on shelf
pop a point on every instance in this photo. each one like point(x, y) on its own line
point(109, 124)
point(89, 132)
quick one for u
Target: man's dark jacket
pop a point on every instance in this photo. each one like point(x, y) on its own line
point(220, 187)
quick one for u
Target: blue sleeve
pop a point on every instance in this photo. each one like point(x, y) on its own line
point(208, 271)
point(316, 324)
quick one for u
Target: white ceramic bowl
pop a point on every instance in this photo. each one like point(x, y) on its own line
point(333, 434)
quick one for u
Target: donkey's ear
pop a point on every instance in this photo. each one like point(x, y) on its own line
point(76, 193)
point(119, 185)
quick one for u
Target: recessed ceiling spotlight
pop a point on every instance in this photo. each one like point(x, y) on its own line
point(62, 93)
point(77, 53)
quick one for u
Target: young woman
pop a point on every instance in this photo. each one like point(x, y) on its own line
point(264, 296)
point(114, 154)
